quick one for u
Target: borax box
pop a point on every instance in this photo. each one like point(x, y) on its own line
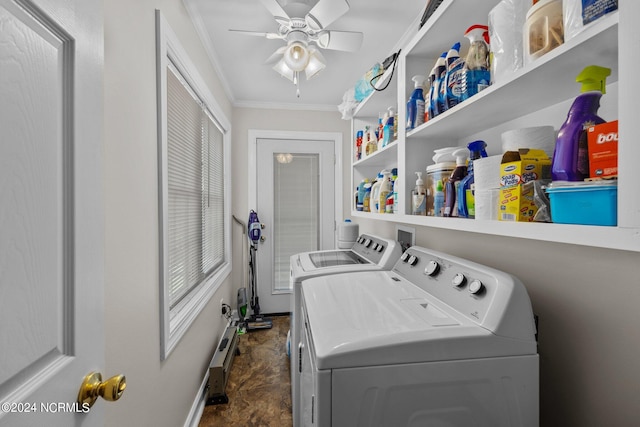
point(516, 170)
point(603, 150)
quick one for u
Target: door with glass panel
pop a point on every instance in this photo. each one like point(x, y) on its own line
point(296, 203)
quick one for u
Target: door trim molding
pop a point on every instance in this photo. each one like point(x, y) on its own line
point(252, 149)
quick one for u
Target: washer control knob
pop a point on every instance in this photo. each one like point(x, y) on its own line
point(458, 280)
point(476, 287)
point(405, 257)
point(374, 247)
point(432, 268)
point(367, 242)
point(413, 260)
point(380, 248)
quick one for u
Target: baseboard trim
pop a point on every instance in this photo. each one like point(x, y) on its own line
point(197, 408)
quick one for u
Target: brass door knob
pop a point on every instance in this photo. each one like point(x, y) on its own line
point(92, 387)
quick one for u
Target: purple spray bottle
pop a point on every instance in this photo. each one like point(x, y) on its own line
point(570, 157)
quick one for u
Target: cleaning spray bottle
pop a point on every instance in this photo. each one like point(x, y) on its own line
point(477, 71)
point(570, 157)
point(453, 77)
point(451, 188)
point(415, 106)
point(385, 189)
point(440, 71)
point(452, 55)
point(387, 131)
point(466, 200)
point(419, 197)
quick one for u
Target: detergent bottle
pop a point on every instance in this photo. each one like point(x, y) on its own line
point(415, 106)
point(451, 188)
point(375, 194)
point(419, 197)
point(453, 77)
point(385, 189)
point(570, 157)
point(466, 201)
point(366, 207)
point(450, 57)
point(477, 71)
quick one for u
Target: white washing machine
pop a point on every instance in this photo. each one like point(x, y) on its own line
point(437, 341)
point(369, 253)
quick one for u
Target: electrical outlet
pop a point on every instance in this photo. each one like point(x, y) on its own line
point(223, 308)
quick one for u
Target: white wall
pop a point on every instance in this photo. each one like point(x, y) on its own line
point(587, 302)
point(158, 393)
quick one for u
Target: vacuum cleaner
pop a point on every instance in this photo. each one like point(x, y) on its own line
point(256, 320)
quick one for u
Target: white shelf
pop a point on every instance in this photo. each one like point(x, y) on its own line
point(545, 82)
point(595, 236)
point(541, 84)
point(381, 158)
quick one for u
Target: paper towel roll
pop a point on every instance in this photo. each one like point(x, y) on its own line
point(486, 171)
point(540, 137)
point(487, 204)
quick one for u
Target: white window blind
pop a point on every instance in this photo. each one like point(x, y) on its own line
point(195, 190)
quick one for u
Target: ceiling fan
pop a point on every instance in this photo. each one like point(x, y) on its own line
point(304, 25)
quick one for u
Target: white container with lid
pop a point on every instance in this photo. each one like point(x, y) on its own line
point(543, 29)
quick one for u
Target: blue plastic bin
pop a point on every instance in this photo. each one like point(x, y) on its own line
point(584, 204)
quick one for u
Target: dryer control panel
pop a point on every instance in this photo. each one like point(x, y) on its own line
point(491, 298)
point(377, 250)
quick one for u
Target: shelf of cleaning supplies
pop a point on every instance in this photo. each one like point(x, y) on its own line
point(596, 236)
point(547, 81)
point(379, 101)
point(382, 158)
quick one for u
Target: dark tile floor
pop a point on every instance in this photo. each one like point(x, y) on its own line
point(259, 385)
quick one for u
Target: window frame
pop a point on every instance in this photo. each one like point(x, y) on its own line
point(174, 322)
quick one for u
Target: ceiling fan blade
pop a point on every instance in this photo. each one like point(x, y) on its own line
point(325, 12)
point(270, 36)
point(277, 11)
point(276, 55)
point(347, 41)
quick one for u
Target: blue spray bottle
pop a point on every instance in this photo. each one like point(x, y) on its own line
point(570, 157)
point(466, 201)
point(440, 72)
point(477, 74)
point(452, 55)
point(416, 105)
point(453, 78)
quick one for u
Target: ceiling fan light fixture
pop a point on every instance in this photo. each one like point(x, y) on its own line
point(316, 63)
point(282, 69)
point(296, 56)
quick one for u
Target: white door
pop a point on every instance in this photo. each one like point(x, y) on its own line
point(296, 193)
point(51, 210)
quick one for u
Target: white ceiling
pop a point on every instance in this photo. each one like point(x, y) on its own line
point(240, 59)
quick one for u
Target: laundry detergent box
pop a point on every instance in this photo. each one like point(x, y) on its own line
point(516, 202)
point(602, 141)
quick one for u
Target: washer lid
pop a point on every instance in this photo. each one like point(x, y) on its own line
point(379, 318)
point(335, 258)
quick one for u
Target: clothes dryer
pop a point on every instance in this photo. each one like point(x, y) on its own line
point(369, 253)
point(438, 340)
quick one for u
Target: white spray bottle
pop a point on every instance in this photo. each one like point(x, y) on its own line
point(419, 197)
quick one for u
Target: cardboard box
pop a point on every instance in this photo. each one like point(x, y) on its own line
point(516, 201)
point(602, 141)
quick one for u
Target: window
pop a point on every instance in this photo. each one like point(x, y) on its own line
point(194, 219)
